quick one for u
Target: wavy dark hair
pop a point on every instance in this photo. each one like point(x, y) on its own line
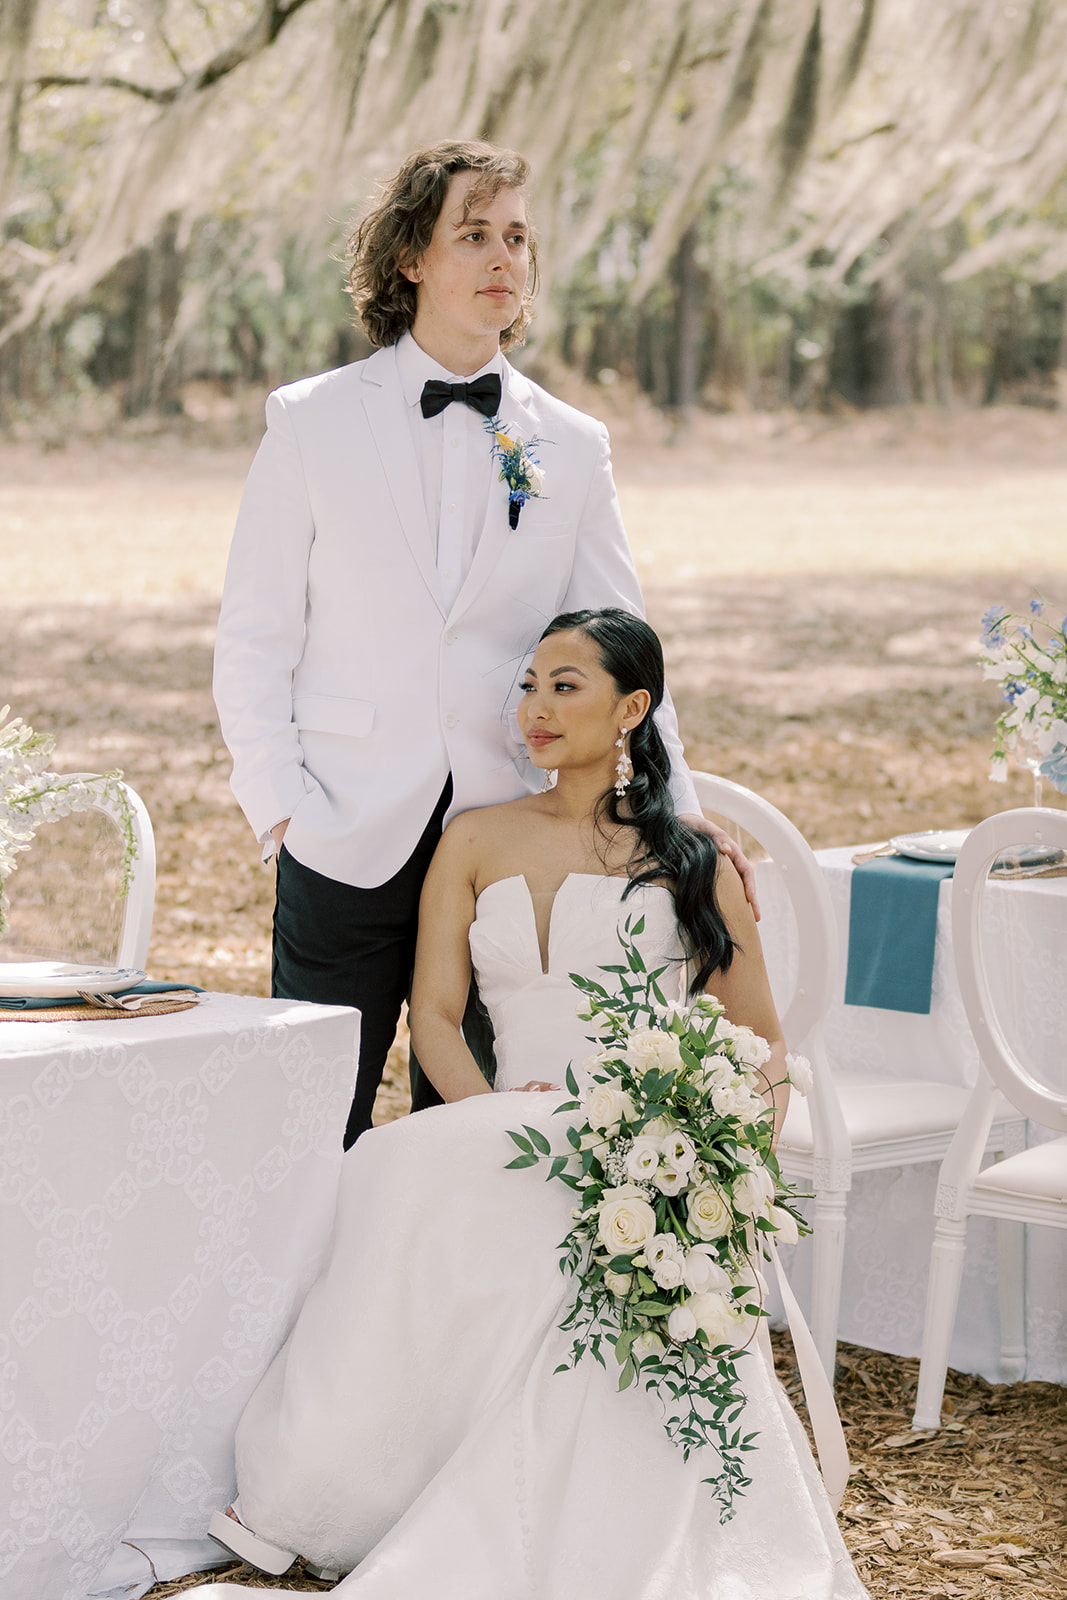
point(398, 230)
point(630, 652)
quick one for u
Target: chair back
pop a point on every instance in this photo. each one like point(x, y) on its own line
point(807, 891)
point(991, 838)
point(64, 904)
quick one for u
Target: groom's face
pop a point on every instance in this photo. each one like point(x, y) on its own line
point(472, 276)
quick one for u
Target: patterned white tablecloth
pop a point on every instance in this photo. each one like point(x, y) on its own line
point(890, 1214)
point(167, 1187)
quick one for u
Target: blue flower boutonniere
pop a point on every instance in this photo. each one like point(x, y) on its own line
point(519, 469)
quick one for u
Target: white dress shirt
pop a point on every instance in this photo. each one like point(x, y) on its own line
point(454, 457)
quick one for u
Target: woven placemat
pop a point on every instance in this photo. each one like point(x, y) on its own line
point(79, 1012)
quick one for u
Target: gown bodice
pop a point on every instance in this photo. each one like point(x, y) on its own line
point(535, 1013)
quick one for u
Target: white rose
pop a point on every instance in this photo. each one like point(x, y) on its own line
point(719, 1070)
point(679, 1150)
point(626, 1221)
point(702, 1273)
point(642, 1159)
point(715, 1313)
point(800, 1073)
point(670, 1274)
point(618, 1282)
point(709, 1213)
point(785, 1225)
point(669, 1180)
point(649, 1048)
point(535, 474)
point(662, 1247)
point(735, 1100)
point(753, 1190)
point(658, 1128)
point(607, 1107)
point(681, 1324)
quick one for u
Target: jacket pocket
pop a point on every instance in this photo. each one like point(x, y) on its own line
point(331, 713)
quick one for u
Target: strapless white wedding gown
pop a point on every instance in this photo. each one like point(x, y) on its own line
point(414, 1429)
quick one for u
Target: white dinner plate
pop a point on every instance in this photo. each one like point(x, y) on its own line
point(939, 844)
point(61, 980)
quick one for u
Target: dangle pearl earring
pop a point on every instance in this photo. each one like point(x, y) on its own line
point(624, 769)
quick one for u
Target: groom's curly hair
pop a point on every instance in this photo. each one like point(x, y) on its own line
point(631, 653)
point(398, 230)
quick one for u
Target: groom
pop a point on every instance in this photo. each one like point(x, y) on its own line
point(387, 580)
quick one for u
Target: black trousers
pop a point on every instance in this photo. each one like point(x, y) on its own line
point(340, 945)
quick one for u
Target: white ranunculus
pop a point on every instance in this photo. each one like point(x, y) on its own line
point(709, 1212)
point(670, 1274)
point(650, 1048)
point(714, 1312)
point(800, 1073)
point(753, 1191)
point(618, 1282)
point(702, 1273)
point(658, 1128)
point(670, 1180)
point(662, 1247)
point(719, 1070)
point(737, 1100)
point(642, 1159)
point(607, 1107)
point(785, 1225)
point(681, 1324)
point(647, 1344)
point(680, 1151)
point(627, 1221)
point(597, 1143)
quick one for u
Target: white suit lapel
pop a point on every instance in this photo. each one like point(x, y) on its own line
point(517, 413)
point(386, 409)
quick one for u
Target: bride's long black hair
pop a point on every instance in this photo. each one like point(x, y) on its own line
point(630, 652)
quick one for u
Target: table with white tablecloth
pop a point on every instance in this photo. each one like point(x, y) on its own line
point(890, 1213)
point(167, 1189)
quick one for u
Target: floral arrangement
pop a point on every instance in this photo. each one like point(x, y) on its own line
point(670, 1153)
point(30, 795)
point(518, 468)
point(1028, 657)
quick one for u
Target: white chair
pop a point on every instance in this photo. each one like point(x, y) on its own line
point(1029, 1186)
point(849, 1123)
point(34, 894)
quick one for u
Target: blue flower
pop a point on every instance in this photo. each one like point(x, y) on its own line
point(1054, 768)
point(1013, 687)
point(991, 625)
point(1036, 607)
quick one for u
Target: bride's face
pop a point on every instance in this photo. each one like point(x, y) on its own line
point(570, 713)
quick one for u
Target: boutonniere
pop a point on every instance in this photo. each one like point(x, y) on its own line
point(518, 468)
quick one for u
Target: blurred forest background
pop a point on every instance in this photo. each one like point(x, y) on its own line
point(742, 204)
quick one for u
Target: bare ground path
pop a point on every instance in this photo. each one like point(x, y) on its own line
point(817, 584)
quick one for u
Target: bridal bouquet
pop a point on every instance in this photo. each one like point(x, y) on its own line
point(30, 795)
point(671, 1158)
point(1028, 657)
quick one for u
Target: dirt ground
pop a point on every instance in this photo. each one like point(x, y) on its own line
point(817, 584)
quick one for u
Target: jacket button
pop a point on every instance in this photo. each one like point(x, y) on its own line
point(451, 720)
point(450, 636)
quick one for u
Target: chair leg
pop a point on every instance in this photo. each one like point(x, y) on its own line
point(1011, 1294)
point(827, 1264)
point(942, 1297)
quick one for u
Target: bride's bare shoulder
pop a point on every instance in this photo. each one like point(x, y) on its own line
point(489, 825)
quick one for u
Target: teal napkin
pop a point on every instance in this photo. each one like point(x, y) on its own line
point(892, 929)
point(147, 986)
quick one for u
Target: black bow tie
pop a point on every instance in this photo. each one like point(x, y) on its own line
point(483, 394)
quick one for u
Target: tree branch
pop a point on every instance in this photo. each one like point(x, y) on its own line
point(259, 35)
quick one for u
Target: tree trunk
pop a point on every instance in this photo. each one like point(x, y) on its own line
point(688, 327)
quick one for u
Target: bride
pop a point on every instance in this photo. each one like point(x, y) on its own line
point(415, 1432)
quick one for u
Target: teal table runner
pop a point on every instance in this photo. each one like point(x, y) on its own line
point(892, 929)
point(146, 986)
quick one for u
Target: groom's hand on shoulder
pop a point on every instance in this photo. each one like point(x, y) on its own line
point(730, 848)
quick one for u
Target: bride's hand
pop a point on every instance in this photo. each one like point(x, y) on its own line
point(728, 847)
point(535, 1087)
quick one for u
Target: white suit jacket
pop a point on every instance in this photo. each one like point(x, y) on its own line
point(345, 692)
